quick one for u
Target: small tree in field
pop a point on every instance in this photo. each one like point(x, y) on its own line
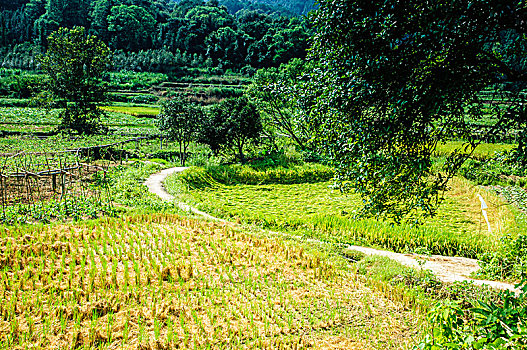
point(180, 121)
point(231, 126)
point(75, 63)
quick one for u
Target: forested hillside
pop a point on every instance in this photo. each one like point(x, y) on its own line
point(295, 7)
point(161, 35)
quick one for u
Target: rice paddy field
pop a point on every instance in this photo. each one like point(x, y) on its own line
point(143, 111)
point(315, 210)
point(160, 281)
point(28, 119)
point(483, 151)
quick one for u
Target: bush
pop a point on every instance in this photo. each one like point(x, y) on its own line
point(82, 122)
point(492, 325)
point(509, 261)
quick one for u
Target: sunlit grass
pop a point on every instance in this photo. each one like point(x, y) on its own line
point(160, 281)
point(317, 210)
point(135, 111)
point(484, 150)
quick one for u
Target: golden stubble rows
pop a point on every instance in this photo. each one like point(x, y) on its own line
point(161, 282)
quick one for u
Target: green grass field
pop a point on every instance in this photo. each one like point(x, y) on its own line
point(316, 210)
point(28, 119)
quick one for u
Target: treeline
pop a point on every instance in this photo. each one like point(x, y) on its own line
point(158, 35)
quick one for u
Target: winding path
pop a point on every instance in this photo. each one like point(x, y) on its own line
point(445, 268)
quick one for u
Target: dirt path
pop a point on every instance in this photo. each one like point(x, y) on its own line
point(446, 268)
point(155, 186)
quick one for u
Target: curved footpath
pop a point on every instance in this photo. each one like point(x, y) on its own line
point(445, 268)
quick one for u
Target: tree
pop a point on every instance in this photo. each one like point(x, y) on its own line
point(180, 120)
point(61, 13)
point(282, 95)
point(227, 47)
point(131, 27)
point(400, 77)
point(75, 63)
point(231, 126)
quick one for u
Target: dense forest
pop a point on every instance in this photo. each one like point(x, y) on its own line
point(163, 35)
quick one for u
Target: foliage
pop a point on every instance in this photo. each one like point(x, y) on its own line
point(161, 36)
point(126, 186)
point(230, 126)
point(503, 167)
point(75, 63)
point(509, 260)
point(81, 121)
point(492, 325)
point(399, 78)
point(130, 27)
point(54, 210)
point(281, 95)
point(180, 121)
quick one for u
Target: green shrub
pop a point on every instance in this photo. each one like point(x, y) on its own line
point(491, 324)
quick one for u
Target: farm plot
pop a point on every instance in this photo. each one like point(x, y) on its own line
point(41, 186)
point(142, 111)
point(159, 281)
point(314, 209)
point(34, 119)
point(15, 144)
point(26, 115)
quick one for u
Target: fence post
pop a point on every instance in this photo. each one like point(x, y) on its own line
point(63, 185)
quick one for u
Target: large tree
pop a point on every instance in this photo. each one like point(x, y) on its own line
point(400, 76)
point(131, 28)
point(282, 95)
point(75, 63)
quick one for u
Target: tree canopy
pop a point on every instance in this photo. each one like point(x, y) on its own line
point(230, 126)
point(400, 77)
point(180, 121)
point(75, 63)
point(204, 32)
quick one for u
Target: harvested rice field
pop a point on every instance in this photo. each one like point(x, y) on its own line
point(162, 282)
